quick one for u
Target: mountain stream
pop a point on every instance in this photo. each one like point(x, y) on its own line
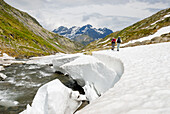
point(22, 83)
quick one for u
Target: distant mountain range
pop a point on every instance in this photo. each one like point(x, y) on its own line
point(84, 34)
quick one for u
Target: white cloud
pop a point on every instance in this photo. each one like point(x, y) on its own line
point(114, 14)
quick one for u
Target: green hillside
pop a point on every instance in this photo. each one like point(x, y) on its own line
point(138, 30)
point(22, 36)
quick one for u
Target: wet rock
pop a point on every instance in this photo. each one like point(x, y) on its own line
point(6, 65)
point(84, 103)
point(8, 103)
point(2, 77)
point(11, 110)
point(1, 68)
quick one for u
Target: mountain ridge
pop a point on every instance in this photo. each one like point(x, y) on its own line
point(22, 36)
point(143, 28)
point(78, 33)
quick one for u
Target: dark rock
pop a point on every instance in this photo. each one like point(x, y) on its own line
point(58, 72)
point(156, 40)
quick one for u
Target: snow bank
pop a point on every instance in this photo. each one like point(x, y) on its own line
point(6, 60)
point(93, 71)
point(58, 62)
point(90, 73)
point(7, 57)
point(111, 62)
point(144, 87)
point(44, 60)
point(161, 31)
point(55, 98)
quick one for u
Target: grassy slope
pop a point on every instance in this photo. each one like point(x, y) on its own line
point(138, 30)
point(19, 38)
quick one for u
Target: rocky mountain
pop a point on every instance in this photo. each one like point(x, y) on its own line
point(22, 36)
point(84, 34)
point(143, 28)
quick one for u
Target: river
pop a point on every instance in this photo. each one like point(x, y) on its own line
point(22, 83)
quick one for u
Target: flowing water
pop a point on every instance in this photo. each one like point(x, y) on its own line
point(22, 83)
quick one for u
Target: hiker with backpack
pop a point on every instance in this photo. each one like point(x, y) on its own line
point(113, 43)
point(118, 43)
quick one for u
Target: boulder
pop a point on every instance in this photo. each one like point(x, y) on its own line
point(164, 39)
point(156, 40)
point(2, 76)
point(1, 68)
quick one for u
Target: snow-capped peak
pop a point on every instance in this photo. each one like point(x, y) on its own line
point(88, 30)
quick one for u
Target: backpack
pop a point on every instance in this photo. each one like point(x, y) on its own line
point(113, 40)
point(118, 40)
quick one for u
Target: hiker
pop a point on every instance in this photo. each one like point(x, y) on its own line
point(118, 43)
point(113, 43)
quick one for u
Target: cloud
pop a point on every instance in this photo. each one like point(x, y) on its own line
point(114, 14)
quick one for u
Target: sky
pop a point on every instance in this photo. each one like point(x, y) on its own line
point(112, 14)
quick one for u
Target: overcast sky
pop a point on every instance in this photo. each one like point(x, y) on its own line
point(113, 14)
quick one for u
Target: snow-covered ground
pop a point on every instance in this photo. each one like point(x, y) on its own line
point(144, 87)
point(135, 80)
point(44, 60)
point(142, 74)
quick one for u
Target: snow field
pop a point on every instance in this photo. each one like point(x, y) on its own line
point(144, 87)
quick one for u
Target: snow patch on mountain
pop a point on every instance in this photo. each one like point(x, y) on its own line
point(168, 15)
point(88, 29)
point(104, 41)
point(161, 31)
